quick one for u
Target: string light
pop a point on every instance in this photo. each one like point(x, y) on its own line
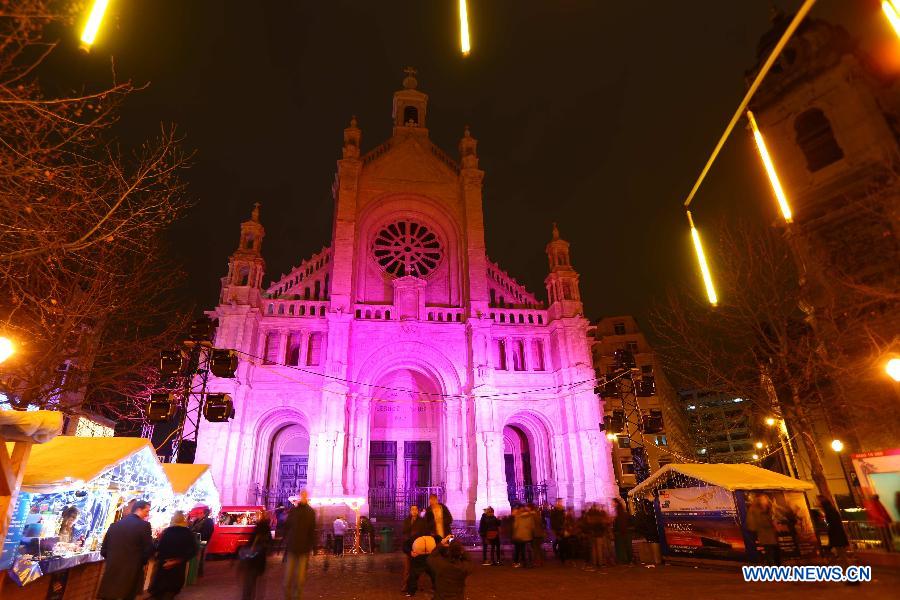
point(892, 13)
point(93, 23)
point(464, 44)
point(704, 267)
point(770, 169)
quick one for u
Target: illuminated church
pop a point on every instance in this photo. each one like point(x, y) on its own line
point(400, 360)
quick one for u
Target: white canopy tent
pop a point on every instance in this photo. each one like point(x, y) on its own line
point(732, 477)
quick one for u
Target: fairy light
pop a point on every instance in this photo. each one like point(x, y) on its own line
point(93, 23)
point(892, 12)
point(704, 267)
point(770, 169)
point(464, 44)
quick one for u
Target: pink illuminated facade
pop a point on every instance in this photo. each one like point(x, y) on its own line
point(400, 359)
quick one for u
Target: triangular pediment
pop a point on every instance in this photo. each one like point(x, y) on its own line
point(410, 158)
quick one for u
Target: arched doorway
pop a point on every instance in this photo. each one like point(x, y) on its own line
point(288, 463)
point(526, 457)
point(406, 435)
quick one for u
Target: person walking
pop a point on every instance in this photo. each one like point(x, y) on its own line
point(203, 526)
point(557, 523)
point(568, 540)
point(761, 522)
point(622, 532)
point(438, 517)
point(489, 530)
point(837, 537)
point(253, 557)
point(413, 526)
point(339, 528)
point(177, 546)
point(127, 546)
point(540, 533)
point(450, 566)
point(299, 541)
point(522, 534)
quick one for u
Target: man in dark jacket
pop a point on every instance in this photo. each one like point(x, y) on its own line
point(127, 547)
point(299, 541)
point(449, 567)
point(438, 517)
point(204, 526)
point(489, 530)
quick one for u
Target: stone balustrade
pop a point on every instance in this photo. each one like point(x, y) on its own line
point(513, 316)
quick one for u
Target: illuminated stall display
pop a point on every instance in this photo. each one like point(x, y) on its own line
point(193, 487)
point(73, 489)
point(701, 511)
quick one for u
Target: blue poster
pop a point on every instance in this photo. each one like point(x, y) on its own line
point(14, 534)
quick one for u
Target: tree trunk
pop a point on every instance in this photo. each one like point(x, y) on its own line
point(804, 429)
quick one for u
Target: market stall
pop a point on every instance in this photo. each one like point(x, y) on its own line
point(193, 487)
point(234, 528)
point(701, 511)
point(72, 490)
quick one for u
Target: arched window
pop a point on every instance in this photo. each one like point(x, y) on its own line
point(244, 278)
point(816, 139)
point(248, 242)
point(411, 116)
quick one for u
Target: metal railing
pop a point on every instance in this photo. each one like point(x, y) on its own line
point(389, 504)
point(864, 535)
point(528, 494)
point(270, 497)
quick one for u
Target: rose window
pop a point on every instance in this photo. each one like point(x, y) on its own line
point(407, 248)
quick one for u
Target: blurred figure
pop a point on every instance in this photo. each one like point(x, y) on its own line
point(540, 533)
point(761, 522)
point(413, 526)
point(299, 541)
point(622, 531)
point(837, 537)
point(450, 566)
point(557, 523)
point(522, 535)
point(418, 551)
point(438, 517)
point(253, 557)
point(203, 526)
point(339, 529)
point(489, 530)
point(177, 546)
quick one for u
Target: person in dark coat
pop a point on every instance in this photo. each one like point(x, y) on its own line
point(622, 532)
point(418, 566)
point(837, 537)
point(438, 517)
point(449, 566)
point(127, 546)
point(413, 526)
point(205, 527)
point(254, 565)
point(299, 541)
point(177, 546)
point(489, 530)
point(557, 523)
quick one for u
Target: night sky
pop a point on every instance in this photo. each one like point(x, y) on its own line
point(598, 115)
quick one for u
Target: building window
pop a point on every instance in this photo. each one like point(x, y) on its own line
point(271, 353)
point(816, 139)
point(661, 440)
point(537, 347)
point(624, 441)
point(314, 352)
point(619, 328)
point(293, 351)
point(631, 347)
point(518, 355)
point(627, 468)
point(647, 370)
point(410, 116)
point(500, 354)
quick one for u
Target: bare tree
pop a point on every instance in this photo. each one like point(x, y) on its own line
point(84, 288)
point(762, 331)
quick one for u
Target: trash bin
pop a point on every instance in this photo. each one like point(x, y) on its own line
point(387, 539)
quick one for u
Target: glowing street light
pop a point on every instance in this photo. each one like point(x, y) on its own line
point(892, 368)
point(770, 169)
point(611, 436)
point(892, 12)
point(837, 445)
point(770, 421)
point(6, 348)
point(759, 445)
point(756, 457)
point(704, 267)
point(93, 23)
point(464, 28)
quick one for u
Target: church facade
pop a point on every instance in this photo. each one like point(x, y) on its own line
point(400, 360)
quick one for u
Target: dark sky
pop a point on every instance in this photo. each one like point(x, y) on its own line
point(598, 115)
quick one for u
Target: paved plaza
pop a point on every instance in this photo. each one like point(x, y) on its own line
point(378, 577)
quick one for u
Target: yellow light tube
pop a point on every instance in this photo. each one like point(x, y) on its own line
point(464, 28)
point(704, 267)
point(892, 14)
point(770, 169)
point(93, 23)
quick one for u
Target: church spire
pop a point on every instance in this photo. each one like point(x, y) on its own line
point(246, 265)
point(410, 106)
point(352, 137)
point(468, 155)
point(562, 282)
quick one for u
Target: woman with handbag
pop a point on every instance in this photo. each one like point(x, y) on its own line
point(253, 557)
point(489, 529)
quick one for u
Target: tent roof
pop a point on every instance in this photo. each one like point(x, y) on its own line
point(183, 476)
point(729, 476)
point(68, 458)
point(36, 426)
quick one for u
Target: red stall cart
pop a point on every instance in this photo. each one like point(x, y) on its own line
point(234, 528)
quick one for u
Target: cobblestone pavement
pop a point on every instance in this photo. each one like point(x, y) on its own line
point(378, 577)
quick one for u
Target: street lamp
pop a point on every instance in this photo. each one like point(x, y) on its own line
point(770, 421)
point(759, 445)
point(786, 447)
point(756, 457)
point(892, 368)
point(890, 11)
point(6, 348)
point(837, 445)
point(93, 23)
point(464, 44)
